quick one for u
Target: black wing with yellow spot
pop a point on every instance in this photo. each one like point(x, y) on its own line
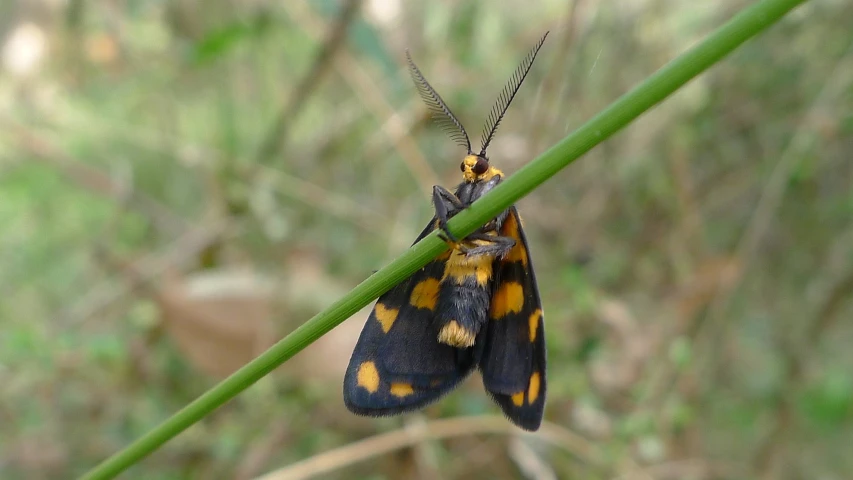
point(398, 365)
point(513, 357)
point(477, 305)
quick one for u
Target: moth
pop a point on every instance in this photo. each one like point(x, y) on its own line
point(475, 306)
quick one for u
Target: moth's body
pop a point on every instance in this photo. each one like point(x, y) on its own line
point(464, 301)
point(476, 305)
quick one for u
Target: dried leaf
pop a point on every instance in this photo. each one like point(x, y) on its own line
point(219, 320)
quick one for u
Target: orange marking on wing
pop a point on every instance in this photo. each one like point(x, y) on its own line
point(425, 294)
point(401, 390)
point(510, 228)
point(533, 323)
point(507, 299)
point(368, 376)
point(533, 389)
point(386, 316)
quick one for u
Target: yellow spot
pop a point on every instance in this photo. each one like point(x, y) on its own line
point(453, 246)
point(401, 390)
point(509, 298)
point(455, 335)
point(386, 316)
point(461, 267)
point(510, 228)
point(368, 377)
point(517, 254)
point(534, 323)
point(518, 399)
point(425, 294)
point(533, 388)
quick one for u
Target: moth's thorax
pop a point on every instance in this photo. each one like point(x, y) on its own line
point(461, 267)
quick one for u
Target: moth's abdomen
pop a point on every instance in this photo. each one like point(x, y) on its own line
point(463, 301)
point(462, 312)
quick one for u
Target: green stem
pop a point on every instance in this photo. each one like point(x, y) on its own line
point(661, 84)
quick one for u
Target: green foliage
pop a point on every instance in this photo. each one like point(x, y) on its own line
point(830, 400)
point(695, 269)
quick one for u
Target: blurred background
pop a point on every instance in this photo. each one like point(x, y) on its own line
point(182, 183)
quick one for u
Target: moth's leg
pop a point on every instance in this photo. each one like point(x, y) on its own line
point(495, 223)
point(496, 246)
point(446, 205)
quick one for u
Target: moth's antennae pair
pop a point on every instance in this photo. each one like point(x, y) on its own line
point(448, 122)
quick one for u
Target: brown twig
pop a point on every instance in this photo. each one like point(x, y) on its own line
point(439, 429)
point(795, 371)
point(330, 202)
point(771, 197)
point(276, 138)
point(696, 468)
point(775, 441)
point(261, 450)
point(179, 254)
point(827, 315)
point(95, 180)
point(373, 97)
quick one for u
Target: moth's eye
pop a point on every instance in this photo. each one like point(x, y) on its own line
point(481, 166)
point(462, 166)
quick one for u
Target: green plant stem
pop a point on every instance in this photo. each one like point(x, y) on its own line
point(661, 84)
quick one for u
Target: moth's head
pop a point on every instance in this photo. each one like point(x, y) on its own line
point(476, 168)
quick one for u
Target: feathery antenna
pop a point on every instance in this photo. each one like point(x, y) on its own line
point(441, 113)
point(506, 96)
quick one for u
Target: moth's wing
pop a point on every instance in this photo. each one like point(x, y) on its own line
point(398, 364)
point(513, 358)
